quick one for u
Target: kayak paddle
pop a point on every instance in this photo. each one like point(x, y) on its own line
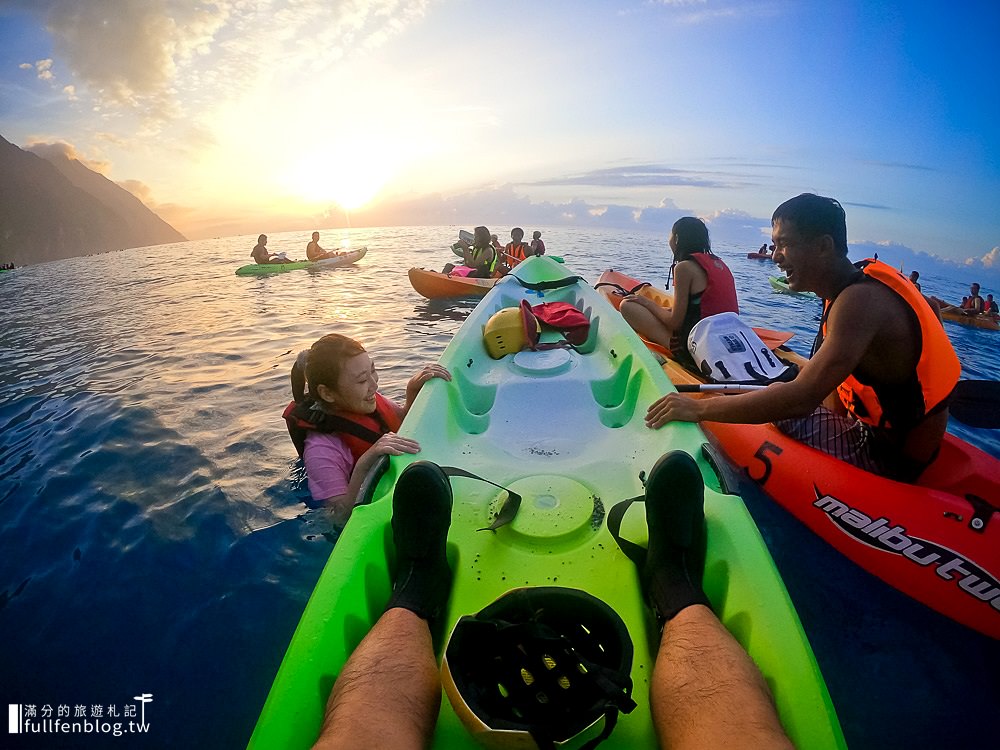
point(975, 403)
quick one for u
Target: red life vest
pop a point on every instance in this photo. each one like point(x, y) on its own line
point(358, 431)
point(720, 293)
point(938, 369)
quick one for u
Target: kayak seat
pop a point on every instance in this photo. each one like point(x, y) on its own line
point(962, 472)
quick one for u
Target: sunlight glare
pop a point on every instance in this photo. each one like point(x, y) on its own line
point(349, 174)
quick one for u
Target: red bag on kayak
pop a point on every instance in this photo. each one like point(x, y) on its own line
point(562, 316)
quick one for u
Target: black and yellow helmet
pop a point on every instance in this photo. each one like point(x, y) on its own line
point(541, 667)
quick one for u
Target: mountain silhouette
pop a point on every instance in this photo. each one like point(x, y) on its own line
point(55, 207)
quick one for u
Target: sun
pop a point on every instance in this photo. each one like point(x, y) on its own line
point(349, 174)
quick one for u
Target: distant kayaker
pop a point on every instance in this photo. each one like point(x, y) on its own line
point(537, 246)
point(971, 305)
point(314, 252)
point(880, 347)
point(516, 250)
point(261, 255)
point(480, 256)
point(704, 691)
point(343, 424)
point(703, 286)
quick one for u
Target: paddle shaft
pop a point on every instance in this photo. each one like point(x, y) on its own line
point(975, 403)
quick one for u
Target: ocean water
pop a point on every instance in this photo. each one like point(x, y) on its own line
point(155, 529)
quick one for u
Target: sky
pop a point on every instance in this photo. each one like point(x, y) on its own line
point(247, 116)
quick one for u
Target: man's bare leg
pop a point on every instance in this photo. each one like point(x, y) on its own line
point(389, 692)
point(707, 692)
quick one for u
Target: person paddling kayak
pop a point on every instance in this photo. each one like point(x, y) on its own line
point(880, 347)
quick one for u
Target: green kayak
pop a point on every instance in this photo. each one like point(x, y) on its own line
point(344, 259)
point(780, 284)
point(564, 429)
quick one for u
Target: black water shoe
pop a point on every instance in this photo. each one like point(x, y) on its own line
point(421, 515)
point(675, 517)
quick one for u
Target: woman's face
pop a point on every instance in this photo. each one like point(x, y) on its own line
point(673, 243)
point(356, 387)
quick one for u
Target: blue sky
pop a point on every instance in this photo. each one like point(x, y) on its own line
point(224, 116)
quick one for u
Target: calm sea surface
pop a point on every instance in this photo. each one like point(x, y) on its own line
point(154, 529)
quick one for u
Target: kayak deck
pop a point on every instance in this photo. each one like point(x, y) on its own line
point(564, 429)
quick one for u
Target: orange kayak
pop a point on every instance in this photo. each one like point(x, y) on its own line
point(437, 285)
point(977, 321)
point(937, 540)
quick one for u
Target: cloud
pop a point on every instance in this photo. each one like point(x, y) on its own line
point(875, 206)
point(991, 259)
point(62, 149)
point(163, 58)
point(140, 190)
point(901, 165)
point(42, 67)
point(693, 12)
point(645, 175)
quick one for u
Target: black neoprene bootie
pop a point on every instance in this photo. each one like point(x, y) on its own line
point(675, 517)
point(421, 515)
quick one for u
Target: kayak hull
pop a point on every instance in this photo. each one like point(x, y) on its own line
point(260, 269)
point(937, 541)
point(564, 429)
point(974, 321)
point(436, 285)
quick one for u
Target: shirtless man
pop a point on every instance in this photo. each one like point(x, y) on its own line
point(314, 252)
point(261, 255)
point(892, 409)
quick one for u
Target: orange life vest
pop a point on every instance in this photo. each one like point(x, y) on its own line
point(358, 431)
point(938, 369)
point(516, 252)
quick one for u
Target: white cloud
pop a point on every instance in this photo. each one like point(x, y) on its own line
point(62, 149)
point(42, 67)
point(992, 258)
point(169, 59)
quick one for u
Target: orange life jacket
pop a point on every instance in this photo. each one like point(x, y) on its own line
point(358, 431)
point(516, 252)
point(938, 369)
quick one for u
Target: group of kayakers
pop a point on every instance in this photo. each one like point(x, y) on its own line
point(484, 257)
point(314, 252)
point(6, 266)
point(880, 350)
point(972, 305)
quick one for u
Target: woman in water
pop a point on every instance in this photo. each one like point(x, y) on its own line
point(703, 286)
point(343, 424)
